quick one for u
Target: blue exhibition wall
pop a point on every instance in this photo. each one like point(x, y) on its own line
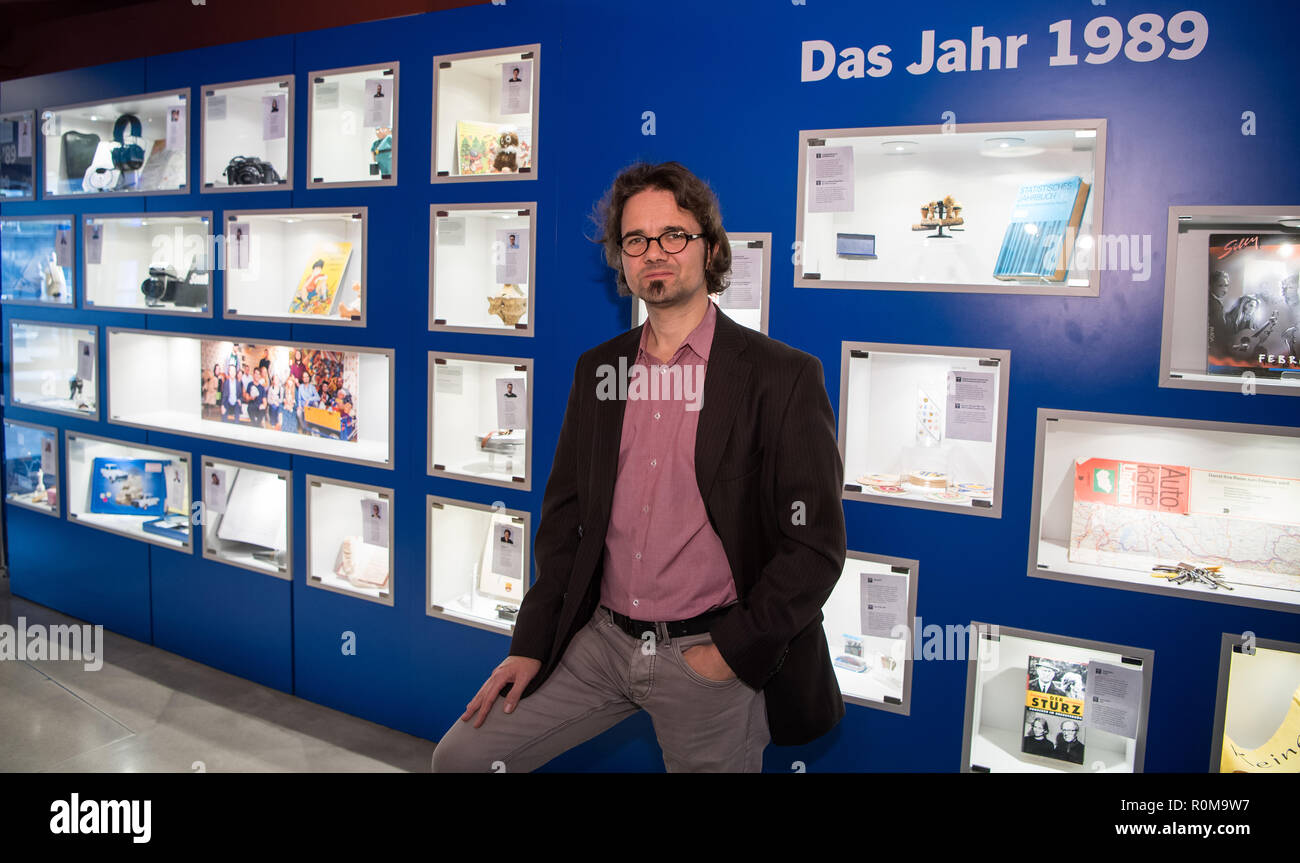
point(723, 82)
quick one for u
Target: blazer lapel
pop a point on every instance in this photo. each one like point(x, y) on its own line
point(608, 430)
point(724, 384)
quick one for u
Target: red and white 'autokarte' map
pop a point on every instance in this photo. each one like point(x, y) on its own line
point(1134, 515)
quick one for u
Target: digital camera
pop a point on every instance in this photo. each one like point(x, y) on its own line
point(250, 171)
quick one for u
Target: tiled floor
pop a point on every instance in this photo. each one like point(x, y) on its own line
point(152, 711)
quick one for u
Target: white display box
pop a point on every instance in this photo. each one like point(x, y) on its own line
point(252, 122)
point(96, 148)
point(866, 222)
point(1230, 501)
point(165, 381)
point(348, 111)
point(924, 426)
point(1257, 711)
point(18, 156)
point(746, 299)
point(36, 260)
point(874, 596)
point(478, 96)
point(478, 562)
point(997, 724)
point(305, 266)
point(31, 457)
point(54, 367)
point(118, 252)
point(248, 516)
point(475, 432)
point(477, 256)
point(350, 539)
point(81, 450)
point(1245, 323)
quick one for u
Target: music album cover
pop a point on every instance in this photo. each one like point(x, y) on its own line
point(1039, 239)
point(1054, 704)
point(319, 285)
point(128, 486)
point(1253, 318)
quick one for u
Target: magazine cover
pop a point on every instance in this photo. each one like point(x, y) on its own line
point(128, 486)
point(1040, 237)
point(1054, 698)
point(278, 388)
point(1253, 312)
point(319, 285)
point(479, 148)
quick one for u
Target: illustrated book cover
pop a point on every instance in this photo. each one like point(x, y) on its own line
point(1039, 239)
point(319, 286)
point(1054, 703)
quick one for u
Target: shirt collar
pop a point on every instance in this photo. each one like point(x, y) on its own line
point(699, 340)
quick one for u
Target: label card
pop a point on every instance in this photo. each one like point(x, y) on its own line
point(25, 138)
point(451, 231)
point(216, 107)
point(274, 110)
point(970, 405)
point(378, 106)
point(239, 235)
point(746, 271)
point(883, 598)
point(374, 521)
point(512, 403)
point(94, 241)
point(327, 96)
point(830, 180)
point(85, 359)
point(48, 463)
point(175, 476)
point(1114, 698)
point(507, 540)
point(516, 87)
point(216, 490)
point(63, 247)
point(176, 129)
point(511, 254)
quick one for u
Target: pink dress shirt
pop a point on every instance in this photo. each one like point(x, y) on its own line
point(663, 561)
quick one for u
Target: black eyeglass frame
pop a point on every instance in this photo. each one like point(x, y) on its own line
point(659, 239)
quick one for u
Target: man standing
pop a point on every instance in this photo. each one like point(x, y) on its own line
point(690, 531)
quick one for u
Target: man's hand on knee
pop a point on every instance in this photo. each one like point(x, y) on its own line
point(515, 670)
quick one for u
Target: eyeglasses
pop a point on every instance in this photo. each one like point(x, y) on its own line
point(672, 242)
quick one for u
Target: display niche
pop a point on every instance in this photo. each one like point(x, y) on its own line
point(1008, 208)
point(1040, 703)
point(304, 266)
point(1200, 510)
point(352, 127)
point(868, 621)
point(156, 263)
point(485, 115)
point(924, 426)
point(18, 156)
point(136, 145)
point(247, 140)
point(481, 264)
point(36, 260)
point(1257, 713)
point(125, 488)
point(54, 367)
point(477, 563)
point(247, 516)
point(480, 412)
point(745, 298)
point(1232, 303)
point(322, 400)
point(31, 457)
point(350, 539)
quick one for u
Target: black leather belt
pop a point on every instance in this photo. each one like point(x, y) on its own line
point(674, 628)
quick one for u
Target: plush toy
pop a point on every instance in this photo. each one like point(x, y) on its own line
point(507, 148)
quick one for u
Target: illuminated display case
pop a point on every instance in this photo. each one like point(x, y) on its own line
point(1232, 303)
point(138, 491)
point(868, 621)
point(136, 145)
point(746, 297)
point(338, 406)
point(1117, 495)
point(352, 126)
point(31, 457)
point(482, 260)
point(248, 516)
point(247, 139)
point(1040, 703)
point(485, 107)
point(1009, 208)
point(477, 562)
point(18, 156)
point(306, 266)
point(1257, 712)
point(36, 260)
point(480, 413)
point(350, 539)
point(54, 367)
point(156, 262)
point(924, 426)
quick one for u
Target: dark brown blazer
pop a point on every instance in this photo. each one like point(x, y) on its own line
point(770, 475)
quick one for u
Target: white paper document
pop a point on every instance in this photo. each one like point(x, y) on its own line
point(176, 129)
point(94, 241)
point(216, 107)
point(511, 253)
point(1114, 698)
point(85, 359)
point(24, 138)
point(48, 463)
point(63, 247)
point(274, 110)
point(745, 289)
point(449, 379)
point(215, 489)
point(240, 237)
point(516, 87)
point(254, 509)
point(326, 96)
point(451, 231)
point(970, 406)
point(374, 521)
point(378, 105)
point(884, 602)
point(512, 403)
point(830, 180)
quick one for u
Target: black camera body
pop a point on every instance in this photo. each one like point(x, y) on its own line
point(164, 286)
point(250, 171)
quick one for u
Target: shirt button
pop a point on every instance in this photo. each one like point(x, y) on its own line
point(636, 602)
point(645, 509)
point(637, 555)
point(656, 414)
point(654, 462)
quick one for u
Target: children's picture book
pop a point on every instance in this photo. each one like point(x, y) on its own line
point(128, 486)
point(1039, 239)
point(481, 150)
point(319, 286)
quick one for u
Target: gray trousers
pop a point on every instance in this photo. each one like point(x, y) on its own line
point(604, 677)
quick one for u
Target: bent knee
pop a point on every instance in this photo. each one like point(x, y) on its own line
point(460, 751)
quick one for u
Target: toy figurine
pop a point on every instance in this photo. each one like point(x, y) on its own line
point(381, 151)
point(507, 150)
